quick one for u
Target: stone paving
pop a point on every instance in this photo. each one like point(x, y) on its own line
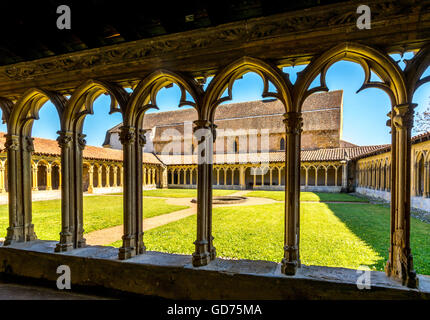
point(13, 291)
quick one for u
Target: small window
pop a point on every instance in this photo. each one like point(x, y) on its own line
point(282, 144)
point(236, 146)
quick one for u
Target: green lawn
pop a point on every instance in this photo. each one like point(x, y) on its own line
point(306, 196)
point(336, 235)
point(99, 212)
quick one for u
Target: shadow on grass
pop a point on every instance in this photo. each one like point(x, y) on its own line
point(371, 223)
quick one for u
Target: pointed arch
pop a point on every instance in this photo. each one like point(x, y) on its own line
point(227, 76)
point(415, 69)
point(145, 94)
point(26, 109)
point(81, 102)
point(370, 59)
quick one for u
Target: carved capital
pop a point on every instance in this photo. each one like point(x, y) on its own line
point(293, 122)
point(142, 137)
point(12, 142)
point(127, 135)
point(404, 116)
point(29, 146)
point(81, 141)
point(205, 125)
point(64, 139)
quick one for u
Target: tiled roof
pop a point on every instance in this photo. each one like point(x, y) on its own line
point(315, 102)
point(387, 147)
point(50, 148)
point(334, 154)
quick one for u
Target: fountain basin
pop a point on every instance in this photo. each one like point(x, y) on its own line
point(225, 200)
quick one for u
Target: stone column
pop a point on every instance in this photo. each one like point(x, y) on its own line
point(34, 185)
point(19, 151)
point(344, 175)
point(191, 176)
point(90, 179)
point(217, 176)
point(99, 176)
point(279, 176)
point(164, 176)
point(132, 239)
point(377, 178)
point(59, 177)
point(255, 177)
point(225, 176)
point(326, 176)
point(121, 177)
point(335, 176)
point(205, 135)
point(48, 177)
point(400, 262)
point(144, 176)
point(232, 176)
point(293, 127)
point(426, 179)
point(242, 177)
point(65, 140)
point(115, 176)
point(153, 176)
point(270, 176)
point(2, 179)
point(107, 176)
point(316, 176)
point(306, 176)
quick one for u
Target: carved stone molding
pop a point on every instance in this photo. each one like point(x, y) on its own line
point(142, 137)
point(64, 139)
point(127, 135)
point(293, 122)
point(404, 116)
point(81, 141)
point(337, 20)
point(12, 142)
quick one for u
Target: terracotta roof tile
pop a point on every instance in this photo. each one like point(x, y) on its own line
point(51, 148)
point(315, 102)
point(334, 154)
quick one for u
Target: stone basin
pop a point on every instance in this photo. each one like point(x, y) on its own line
point(225, 200)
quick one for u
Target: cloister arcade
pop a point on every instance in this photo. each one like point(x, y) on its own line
point(314, 176)
point(225, 52)
point(398, 84)
point(99, 176)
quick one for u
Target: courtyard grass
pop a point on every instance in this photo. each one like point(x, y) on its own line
point(100, 212)
point(335, 235)
point(307, 196)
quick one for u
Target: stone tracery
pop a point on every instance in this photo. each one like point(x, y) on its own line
point(382, 175)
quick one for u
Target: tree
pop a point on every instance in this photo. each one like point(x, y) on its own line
point(422, 121)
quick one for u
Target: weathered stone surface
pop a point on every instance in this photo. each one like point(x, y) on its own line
point(173, 276)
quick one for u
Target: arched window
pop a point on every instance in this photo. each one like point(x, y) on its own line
point(282, 144)
point(236, 146)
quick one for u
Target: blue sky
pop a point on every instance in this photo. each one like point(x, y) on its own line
point(364, 114)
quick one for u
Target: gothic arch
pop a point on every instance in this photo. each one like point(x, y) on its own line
point(370, 59)
point(82, 101)
point(227, 76)
point(415, 69)
point(19, 145)
point(26, 109)
point(144, 95)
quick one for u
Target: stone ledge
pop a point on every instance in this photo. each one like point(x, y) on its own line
point(173, 276)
